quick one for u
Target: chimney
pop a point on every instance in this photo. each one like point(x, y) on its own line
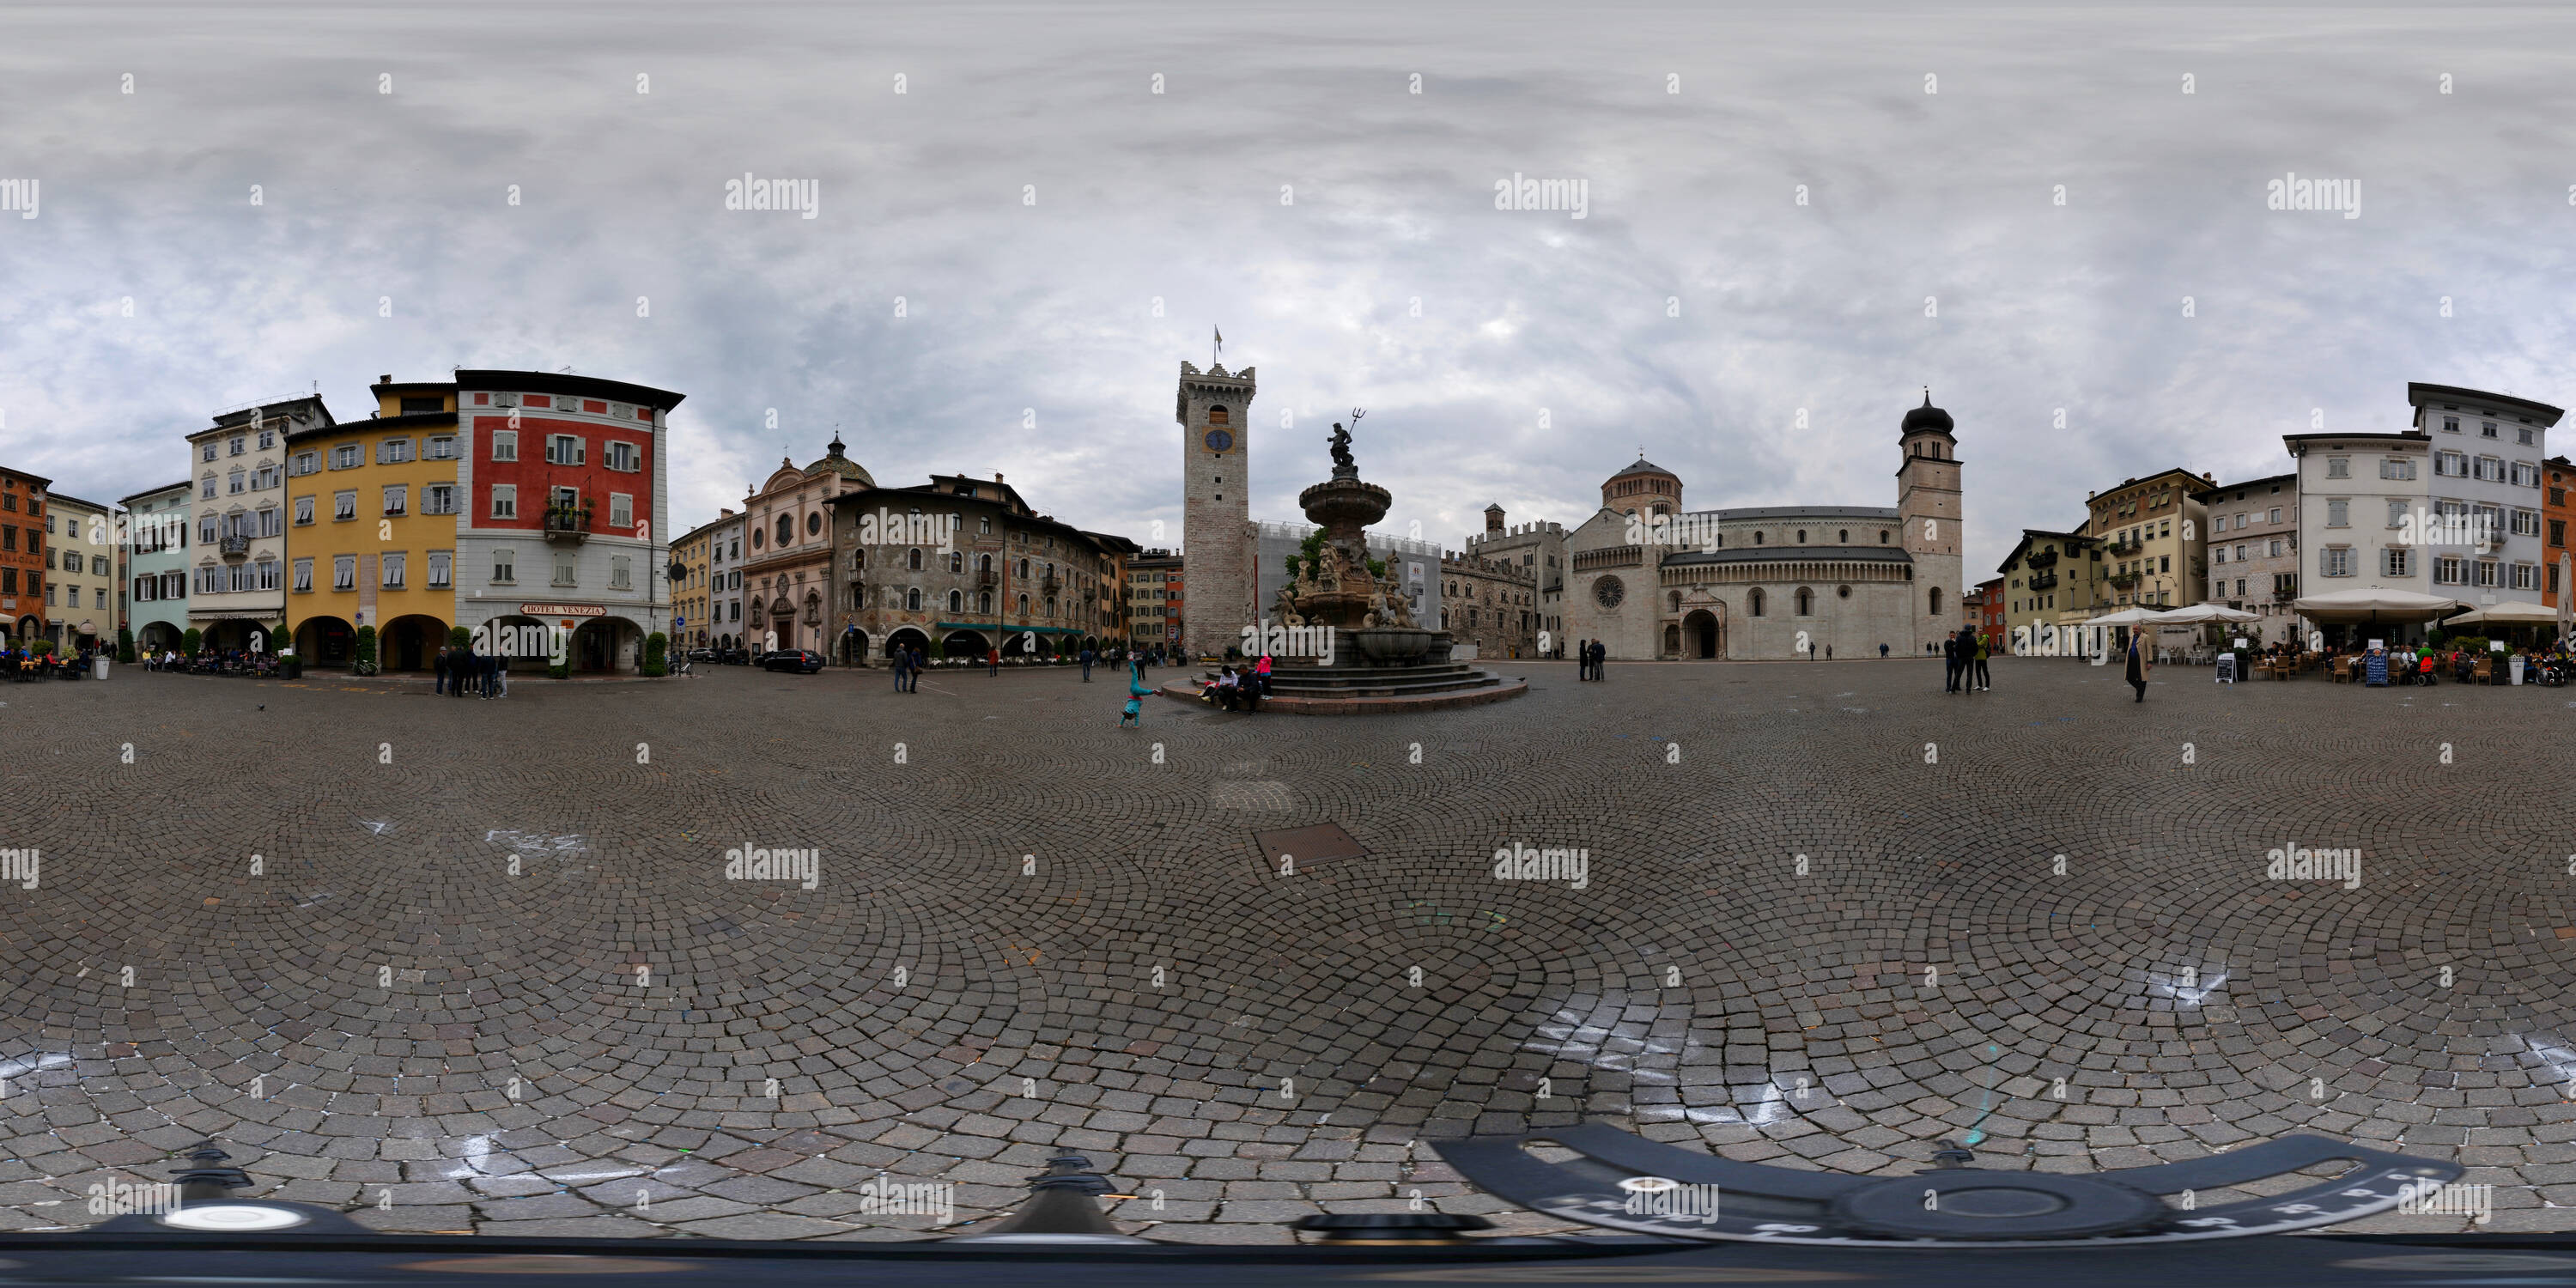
point(723, 513)
point(385, 379)
point(997, 476)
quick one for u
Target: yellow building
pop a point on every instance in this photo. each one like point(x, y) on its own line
point(81, 601)
point(2155, 539)
point(2051, 580)
point(690, 596)
point(371, 529)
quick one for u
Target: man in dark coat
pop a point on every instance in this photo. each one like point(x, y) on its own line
point(2137, 669)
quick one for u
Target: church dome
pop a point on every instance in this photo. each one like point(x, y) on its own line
point(1643, 466)
point(1927, 419)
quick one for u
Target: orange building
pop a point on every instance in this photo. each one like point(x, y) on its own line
point(22, 556)
point(2556, 568)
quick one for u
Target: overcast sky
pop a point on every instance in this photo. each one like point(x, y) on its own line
point(1049, 309)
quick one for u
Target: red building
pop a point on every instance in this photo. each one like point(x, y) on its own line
point(2558, 476)
point(22, 556)
point(564, 521)
point(1989, 620)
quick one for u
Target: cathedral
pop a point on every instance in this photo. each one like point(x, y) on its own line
point(1650, 579)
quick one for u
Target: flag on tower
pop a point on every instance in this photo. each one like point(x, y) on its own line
point(1220, 338)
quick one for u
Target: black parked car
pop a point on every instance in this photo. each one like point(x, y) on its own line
point(800, 660)
point(733, 656)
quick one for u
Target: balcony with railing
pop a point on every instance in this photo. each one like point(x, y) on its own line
point(2122, 580)
point(2124, 547)
point(567, 523)
point(234, 545)
point(2039, 561)
point(2044, 581)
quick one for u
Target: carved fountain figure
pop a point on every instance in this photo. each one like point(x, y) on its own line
point(1336, 588)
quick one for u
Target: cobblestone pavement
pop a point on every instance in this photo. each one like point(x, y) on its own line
point(478, 966)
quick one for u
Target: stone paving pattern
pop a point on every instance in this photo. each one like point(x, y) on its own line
point(1285, 1064)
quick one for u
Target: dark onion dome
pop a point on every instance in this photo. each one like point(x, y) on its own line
point(1927, 419)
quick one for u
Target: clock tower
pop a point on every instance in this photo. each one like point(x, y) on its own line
point(1218, 550)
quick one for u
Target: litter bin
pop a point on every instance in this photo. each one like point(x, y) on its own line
point(294, 666)
point(2517, 668)
point(98, 667)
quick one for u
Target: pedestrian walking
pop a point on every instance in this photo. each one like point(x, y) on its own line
point(1985, 678)
point(1600, 660)
point(1949, 664)
point(993, 661)
point(1582, 660)
point(501, 673)
point(488, 675)
point(902, 667)
point(442, 672)
point(1086, 664)
point(1829, 652)
point(1882, 652)
point(2138, 667)
point(461, 666)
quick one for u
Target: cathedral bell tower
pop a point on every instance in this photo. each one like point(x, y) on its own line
point(1218, 550)
point(1927, 504)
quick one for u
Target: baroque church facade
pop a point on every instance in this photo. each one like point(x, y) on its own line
point(1651, 580)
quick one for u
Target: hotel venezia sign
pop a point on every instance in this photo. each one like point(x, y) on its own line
point(563, 610)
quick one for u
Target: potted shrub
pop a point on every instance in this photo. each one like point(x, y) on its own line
point(657, 650)
point(190, 640)
point(362, 652)
point(124, 646)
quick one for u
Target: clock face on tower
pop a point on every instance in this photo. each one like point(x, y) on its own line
point(1219, 440)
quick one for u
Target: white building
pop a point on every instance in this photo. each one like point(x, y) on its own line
point(724, 581)
point(237, 572)
point(2485, 485)
point(2357, 493)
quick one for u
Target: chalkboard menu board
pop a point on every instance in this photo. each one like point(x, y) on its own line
point(2376, 669)
point(2227, 668)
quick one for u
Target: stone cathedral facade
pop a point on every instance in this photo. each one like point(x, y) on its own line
point(1652, 580)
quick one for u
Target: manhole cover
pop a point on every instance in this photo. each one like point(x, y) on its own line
point(1322, 843)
